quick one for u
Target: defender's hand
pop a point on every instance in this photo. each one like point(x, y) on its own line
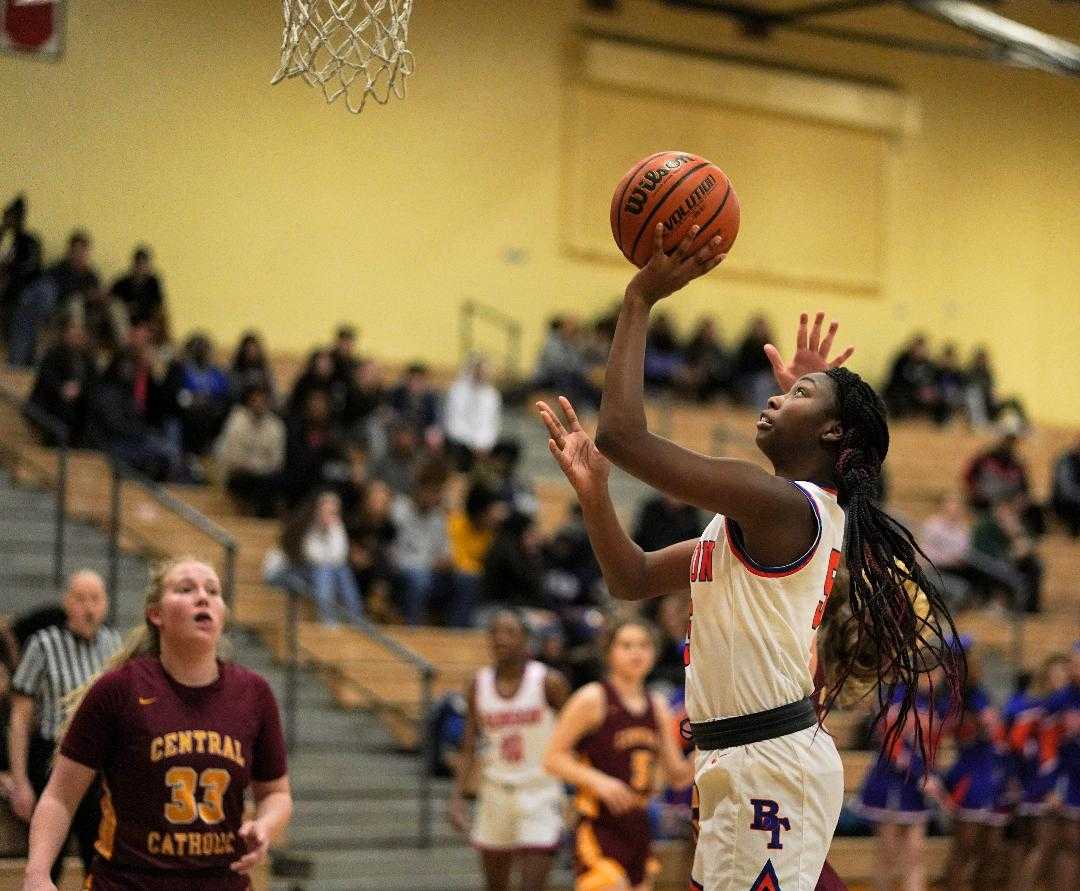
point(576, 453)
point(811, 353)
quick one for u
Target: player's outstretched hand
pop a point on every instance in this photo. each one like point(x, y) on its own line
point(258, 844)
point(576, 453)
point(618, 796)
point(811, 352)
point(665, 273)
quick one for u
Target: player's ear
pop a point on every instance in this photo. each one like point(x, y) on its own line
point(153, 616)
point(832, 432)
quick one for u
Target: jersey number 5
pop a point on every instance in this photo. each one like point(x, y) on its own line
point(183, 809)
point(830, 580)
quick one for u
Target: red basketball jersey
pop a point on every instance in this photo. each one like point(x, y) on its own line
point(175, 761)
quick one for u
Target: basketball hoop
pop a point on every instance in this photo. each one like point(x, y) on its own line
point(355, 48)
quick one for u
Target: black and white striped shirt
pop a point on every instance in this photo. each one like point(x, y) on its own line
point(55, 662)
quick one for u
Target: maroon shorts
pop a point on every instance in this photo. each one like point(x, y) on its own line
point(106, 877)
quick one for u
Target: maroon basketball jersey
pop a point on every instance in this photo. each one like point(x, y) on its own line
point(624, 746)
point(175, 761)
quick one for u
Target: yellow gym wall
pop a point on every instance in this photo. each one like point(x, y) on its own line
point(266, 208)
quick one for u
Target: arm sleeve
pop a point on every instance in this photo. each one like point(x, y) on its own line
point(28, 675)
point(269, 762)
point(93, 729)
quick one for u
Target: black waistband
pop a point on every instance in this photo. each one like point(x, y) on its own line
point(745, 729)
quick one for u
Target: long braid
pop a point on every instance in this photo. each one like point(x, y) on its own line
point(896, 617)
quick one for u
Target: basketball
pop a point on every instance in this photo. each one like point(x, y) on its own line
point(679, 190)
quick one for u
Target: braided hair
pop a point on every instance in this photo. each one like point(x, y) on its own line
point(896, 620)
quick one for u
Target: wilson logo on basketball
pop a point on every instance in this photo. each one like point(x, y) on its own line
point(635, 203)
point(691, 205)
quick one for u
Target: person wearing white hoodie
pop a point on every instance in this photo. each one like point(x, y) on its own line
point(326, 550)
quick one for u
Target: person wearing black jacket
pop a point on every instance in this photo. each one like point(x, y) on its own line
point(63, 383)
point(20, 259)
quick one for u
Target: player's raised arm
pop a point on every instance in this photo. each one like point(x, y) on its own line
point(629, 572)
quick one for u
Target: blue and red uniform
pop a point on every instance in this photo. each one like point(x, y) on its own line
point(1031, 771)
point(977, 778)
point(1059, 746)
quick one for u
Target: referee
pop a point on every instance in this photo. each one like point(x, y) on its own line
point(57, 660)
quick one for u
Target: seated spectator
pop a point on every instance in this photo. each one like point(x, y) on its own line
point(371, 534)
point(120, 409)
point(51, 291)
point(500, 469)
point(514, 569)
point(315, 453)
point(421, 549)
point(343, 355)
point(912, 385)
point(415, 402)
point(103, 316)
point(365, 405)
point(671, 618)
point(204, 397)
point(572, 582)
point(663, 521)
point(999, 474)
point(397, 465)
point(471, 530)
point(326, 556)
point(563, 365)
point(1065, 489)
point(251, 368)
point(708, 363)
point(951, 384)
point(139, 292)
point(473, 414)
point(983, 405)
point(63, 383)
point(318, 374)
point(945, 539)
point(20, 260)
point(251, 452)
point(752, 372)
point(665, 367)
point(1004, 551)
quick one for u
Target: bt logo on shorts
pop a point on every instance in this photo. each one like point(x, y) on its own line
point(767, 818)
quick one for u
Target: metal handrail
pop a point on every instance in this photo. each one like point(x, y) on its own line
point(473, 309)
point(59, 431)
point(425, 669)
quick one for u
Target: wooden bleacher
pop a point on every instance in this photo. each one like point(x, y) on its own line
point(924, 464)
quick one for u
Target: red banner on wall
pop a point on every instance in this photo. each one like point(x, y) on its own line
point(32, 26)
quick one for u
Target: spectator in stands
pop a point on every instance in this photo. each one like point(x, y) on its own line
point(473, 414)
point(1005, 550)
point(371, 534)
point(397, 466)
point(366, 405)
point(663, 521)
point(343, 355)
point(708, 363)
point(671, 618)
point(572, 581)
point(139, 291)
point(665, 366)
point(945, 538)
point(998, 474)
point(471, 530)
point(500, 469)
point(103, 316)
point(128, 411)
point(514, 570)
point(326, 556)
point(983, 405)
point(318, 374)
point(52, 290)
point(421, 548)
point(315, 452)
point(251, 368)
point(752, 371)
point(563, 365)
point(951, 384)
point(415, 402)
point(63, 383)
point(205, 395)
point(1065, 489)
point(251, 452)
point(20, 260)
point(911, 388)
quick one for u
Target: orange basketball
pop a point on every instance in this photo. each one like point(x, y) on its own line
point(679, 190)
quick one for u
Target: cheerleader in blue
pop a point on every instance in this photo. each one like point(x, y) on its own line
point(1060, 755)
point(1034, 770)
point(975, 783)
point(897, 793)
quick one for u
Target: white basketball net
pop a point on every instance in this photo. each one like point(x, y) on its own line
point(355, 48)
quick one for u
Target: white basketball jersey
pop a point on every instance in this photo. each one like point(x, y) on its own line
point(751, 631)
point(516, 730)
